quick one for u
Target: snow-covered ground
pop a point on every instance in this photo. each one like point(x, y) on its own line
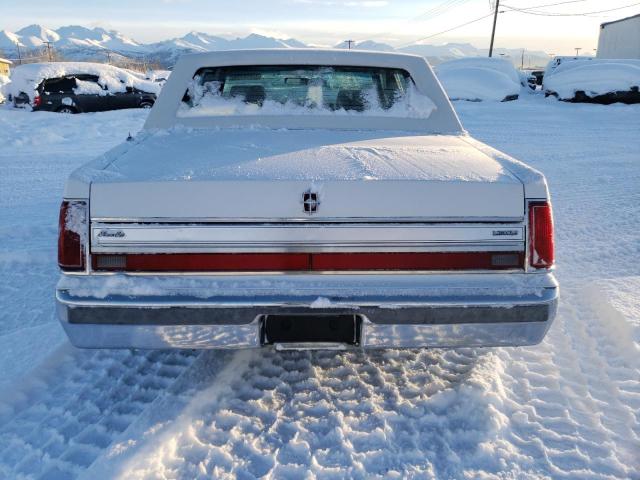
point(568, 408)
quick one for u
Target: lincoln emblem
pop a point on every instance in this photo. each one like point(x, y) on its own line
point(310, 202)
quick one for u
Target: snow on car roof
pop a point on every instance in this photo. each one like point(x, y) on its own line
point(492, 63)
point(594, 77)
point(442, 120)
point(26, 78)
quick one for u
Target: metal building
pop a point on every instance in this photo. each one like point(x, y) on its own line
point(620, 38)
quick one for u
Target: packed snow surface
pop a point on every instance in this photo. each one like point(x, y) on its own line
point(26, 78)
point(479, 79)
point(260, 153)
point(568, 408)
point(594, 77)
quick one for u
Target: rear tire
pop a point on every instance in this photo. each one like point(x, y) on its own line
point(66, 109)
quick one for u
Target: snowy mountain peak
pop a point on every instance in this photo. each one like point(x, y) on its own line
point(38, 31)
point(76, 42)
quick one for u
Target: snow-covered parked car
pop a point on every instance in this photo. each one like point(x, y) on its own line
point(4, 82)
point(307, 199)
point(159, 76)
point(76, 87)
point(603, 81)
point(479, 79)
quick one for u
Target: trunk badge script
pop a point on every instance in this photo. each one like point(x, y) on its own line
point(111, 233)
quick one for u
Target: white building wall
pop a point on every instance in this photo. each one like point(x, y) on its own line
point(620, 39)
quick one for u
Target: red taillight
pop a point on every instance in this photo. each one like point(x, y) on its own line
point(71, 235)
point(37, 101)
point(541, 235)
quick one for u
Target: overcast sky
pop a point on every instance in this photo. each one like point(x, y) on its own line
point(327, 22)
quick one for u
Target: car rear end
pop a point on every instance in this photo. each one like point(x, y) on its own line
point(169, 283)
point(313, 230)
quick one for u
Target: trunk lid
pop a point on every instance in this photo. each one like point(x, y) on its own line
point(263, 175)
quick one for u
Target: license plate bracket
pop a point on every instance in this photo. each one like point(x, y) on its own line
point(311, 329)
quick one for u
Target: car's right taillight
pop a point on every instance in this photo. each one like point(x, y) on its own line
point(37, 101)
point(541, 248)
point(72, 234)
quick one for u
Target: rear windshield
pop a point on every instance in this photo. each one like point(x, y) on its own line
point(277, 90)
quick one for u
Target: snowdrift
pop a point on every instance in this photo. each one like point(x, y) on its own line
point(479, 79)
point(26, 78)
point(595, 81)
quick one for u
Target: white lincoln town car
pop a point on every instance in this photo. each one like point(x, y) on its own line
point(305, 199)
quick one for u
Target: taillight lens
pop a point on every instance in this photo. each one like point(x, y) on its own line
point(72, 234)
point(37, 101)
point(541, 253)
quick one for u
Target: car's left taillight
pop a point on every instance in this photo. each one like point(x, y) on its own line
point(541, 245)
point(72, 235)
point(37, 101)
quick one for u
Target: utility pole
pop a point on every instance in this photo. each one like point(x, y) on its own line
point(349, 42)
point(48, 44)
point(578, 50)
point(108, 57)
point(522, 60)
point(19, 56)
point(493, 31)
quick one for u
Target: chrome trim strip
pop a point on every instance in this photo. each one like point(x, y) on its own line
point(116, 238)
point(285, 220)
point(391, 273)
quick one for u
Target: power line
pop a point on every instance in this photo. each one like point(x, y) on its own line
point(426, 15)
point(440, 10)
point(556, 14)
point(448, 30)
point(550, 5)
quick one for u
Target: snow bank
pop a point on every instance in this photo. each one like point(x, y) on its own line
point(26, 78)
point(479, 79)
point(594, 77)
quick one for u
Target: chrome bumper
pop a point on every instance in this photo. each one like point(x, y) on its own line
point(397, 311)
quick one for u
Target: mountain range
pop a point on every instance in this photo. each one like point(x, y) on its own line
point(76, 42)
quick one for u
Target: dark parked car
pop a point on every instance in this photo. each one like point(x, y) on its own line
point(64, 95)
point(78, 87)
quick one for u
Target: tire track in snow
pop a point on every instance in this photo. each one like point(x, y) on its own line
point(330, 415)
point(569, 419)
point(64, 418)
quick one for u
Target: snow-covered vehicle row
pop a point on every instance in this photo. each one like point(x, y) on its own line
point(75, 87)
point(598, 80)
point(306, 199)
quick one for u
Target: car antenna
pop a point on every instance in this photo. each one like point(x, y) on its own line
point(129, 138)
